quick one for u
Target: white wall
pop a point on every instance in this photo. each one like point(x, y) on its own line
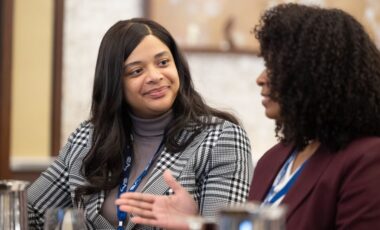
point(225, 80)
point(228, 81)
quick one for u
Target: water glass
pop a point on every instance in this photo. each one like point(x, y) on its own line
point(252, 216)
point(64, 219)
point(200, 223)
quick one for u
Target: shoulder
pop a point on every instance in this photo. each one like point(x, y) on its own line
point(77, 145)
point(223, 131)
point(358, 180)
point(215, 127)
point(82, 134)
point(364, 144)
point(275, 152)
point(226, 135)
point(361, 151)
point(221, 125)
point(216, 131)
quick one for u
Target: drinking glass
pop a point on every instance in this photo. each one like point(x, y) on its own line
point(195, 222)
point(64, 219)
point(201, 223)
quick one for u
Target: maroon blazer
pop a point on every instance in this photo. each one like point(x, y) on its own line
point(338, 190)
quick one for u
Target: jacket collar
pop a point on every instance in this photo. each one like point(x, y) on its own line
point(309, 177)
point(302, 187)
point(175, 162)
point(264, 177)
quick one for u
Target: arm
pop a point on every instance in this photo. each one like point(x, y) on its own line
point(359, 200)
point(228, 174)
point(51, 189)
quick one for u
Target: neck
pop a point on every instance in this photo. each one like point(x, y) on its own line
point(305, 154)
point(151, 127)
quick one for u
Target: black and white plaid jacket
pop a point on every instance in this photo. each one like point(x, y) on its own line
point(216, 168)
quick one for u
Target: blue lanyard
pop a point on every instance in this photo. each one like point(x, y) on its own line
point(121, 216)
point(273, 196)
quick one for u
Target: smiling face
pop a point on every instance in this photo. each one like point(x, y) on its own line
point(272, 107)
point(151, 80)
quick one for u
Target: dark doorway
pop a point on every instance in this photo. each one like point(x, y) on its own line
point(6, 12)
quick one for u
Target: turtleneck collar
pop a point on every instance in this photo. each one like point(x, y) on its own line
point(151, 127)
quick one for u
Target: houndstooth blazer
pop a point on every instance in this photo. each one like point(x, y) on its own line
point(216, 168)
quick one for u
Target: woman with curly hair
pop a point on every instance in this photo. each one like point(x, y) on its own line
point(322, 87)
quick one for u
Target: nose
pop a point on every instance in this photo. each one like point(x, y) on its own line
point(262, 79)
point(154, 75)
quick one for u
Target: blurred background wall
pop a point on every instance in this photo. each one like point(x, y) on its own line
point(50, 82)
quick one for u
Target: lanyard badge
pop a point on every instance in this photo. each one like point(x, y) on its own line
point(123, 187)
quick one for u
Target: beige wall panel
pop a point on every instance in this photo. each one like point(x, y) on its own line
point(31, 79)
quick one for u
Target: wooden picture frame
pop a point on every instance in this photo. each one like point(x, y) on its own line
point(209, 25)
point(226, 26)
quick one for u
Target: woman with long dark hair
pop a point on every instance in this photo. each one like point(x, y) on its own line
point(146, 117)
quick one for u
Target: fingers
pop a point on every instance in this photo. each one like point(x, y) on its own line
point(144, 221)
point(137, 204)
point(172, 183)
point(145, 197)
point(137, 211)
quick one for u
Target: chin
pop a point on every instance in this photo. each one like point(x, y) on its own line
point(159, 112)
point(271, 115)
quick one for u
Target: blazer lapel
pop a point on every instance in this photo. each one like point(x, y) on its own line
point(175, 162)
point(316, 165)
point(263, 182)
point(91, 203)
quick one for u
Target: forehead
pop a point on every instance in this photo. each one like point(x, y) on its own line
point(149, 46)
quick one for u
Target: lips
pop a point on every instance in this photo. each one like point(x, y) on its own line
point(156, 92)
point(266, 99)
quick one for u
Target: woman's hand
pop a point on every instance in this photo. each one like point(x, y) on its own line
point(168, 212)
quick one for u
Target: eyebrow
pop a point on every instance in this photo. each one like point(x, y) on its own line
point(160, 54)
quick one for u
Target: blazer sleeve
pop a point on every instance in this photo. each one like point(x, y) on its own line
point(229, 171)
point(51, 189)
point(359, 201)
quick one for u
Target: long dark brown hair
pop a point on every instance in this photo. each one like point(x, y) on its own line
point(109, 111)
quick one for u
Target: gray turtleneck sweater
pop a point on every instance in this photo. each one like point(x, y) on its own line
point(147, 137)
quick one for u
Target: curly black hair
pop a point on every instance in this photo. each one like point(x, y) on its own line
point(324, 71)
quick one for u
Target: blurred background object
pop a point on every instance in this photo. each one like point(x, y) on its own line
point(13, 207)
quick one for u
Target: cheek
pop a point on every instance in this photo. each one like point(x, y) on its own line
point(275, 110)
point(130, 90)
point(177, 85)
point(128, 97)
point(174, 80)
point(177, 81)
point(173, 74)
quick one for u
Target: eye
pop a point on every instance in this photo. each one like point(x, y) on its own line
point(134, 72)
point(163, 62)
